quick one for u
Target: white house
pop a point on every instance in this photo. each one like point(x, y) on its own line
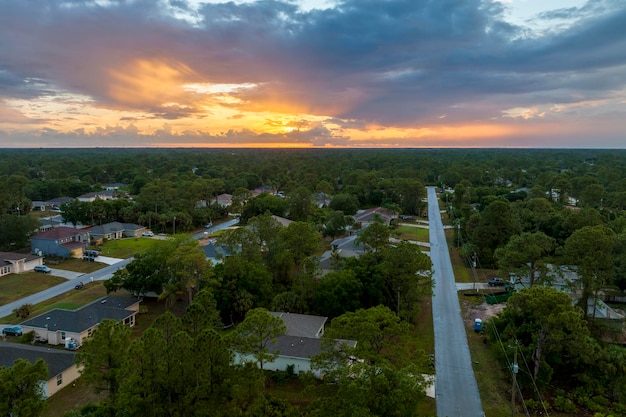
point(70, 327)
point(296, 347)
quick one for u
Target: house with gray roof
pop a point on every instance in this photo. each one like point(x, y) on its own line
point(214, 252)
point(62, 369)
point(116, 230)
point(301, 342)
point(71, 327)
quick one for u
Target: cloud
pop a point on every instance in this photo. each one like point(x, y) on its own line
point(318, 73)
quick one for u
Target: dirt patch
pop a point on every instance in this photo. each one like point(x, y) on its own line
point(481, 311)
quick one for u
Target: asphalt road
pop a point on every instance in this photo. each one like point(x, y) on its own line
point(217, 227)
point(456, 391)
point(100, 275)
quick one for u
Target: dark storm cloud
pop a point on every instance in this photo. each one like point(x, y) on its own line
point(400, 62)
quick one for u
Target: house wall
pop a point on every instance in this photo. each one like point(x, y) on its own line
point(279, 364)
point(60, 381)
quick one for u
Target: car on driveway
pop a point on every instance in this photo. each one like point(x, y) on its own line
point(147, 234)
point(12, 331)
point(42, 268)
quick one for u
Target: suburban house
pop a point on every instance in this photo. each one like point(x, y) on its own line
point(283, 221)
point(298, 345)
point(341, 248)
point(66, 242)
point(41, 206)
point(56, 203)
point(565, 278)
point(367, 216)
point(214, 252)
point(97, 195)
point(116, 230)
point(113, 186)
point(71, 327)
point(223, 200)
point(62, 370)
point(16, 263)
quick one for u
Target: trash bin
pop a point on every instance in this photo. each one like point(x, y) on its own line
point(478, 325)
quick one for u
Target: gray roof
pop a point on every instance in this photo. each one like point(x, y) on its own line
point(302, 325)
point(86, 317)
point(57, 360)
point(212, 250)
point(114, 227)
point(303, 347)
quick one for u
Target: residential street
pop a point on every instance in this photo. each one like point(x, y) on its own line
point(456, 391)
point(72, 279)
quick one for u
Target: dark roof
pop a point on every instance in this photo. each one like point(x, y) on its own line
point(303, 347)
point(86, 317)
point(297, 347)
point(97, 194)
point(59, 233)
point(114, 227)
point(368, 215)
point(57, 360)
point(12, 256)
point(212, 250)
point(60, 200)
point(302, 325)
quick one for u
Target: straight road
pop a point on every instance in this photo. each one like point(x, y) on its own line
point(99, 275)
point(456, 391)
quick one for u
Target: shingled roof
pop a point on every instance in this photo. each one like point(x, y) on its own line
point(86, 317)
point(57, 360)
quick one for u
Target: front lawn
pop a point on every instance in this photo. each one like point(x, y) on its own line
point(16, 286)
point(419, 234)
point(127, 248)
point(71, 300)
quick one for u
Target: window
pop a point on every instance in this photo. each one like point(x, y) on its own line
point(59, 379)
point(62, 335)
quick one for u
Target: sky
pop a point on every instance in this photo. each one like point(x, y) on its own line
point(313, 73)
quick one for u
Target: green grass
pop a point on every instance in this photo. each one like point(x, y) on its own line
point(412, 233)
point(78, 265)
point(16, 286)
point(127, 248)
point(71, 299)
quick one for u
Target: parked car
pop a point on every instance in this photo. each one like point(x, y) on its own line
point(208, 225)
point(496, 282)
point(12, 331)
point(79, 285)
point(42, 268)
point(91, 253)
point(148, 234)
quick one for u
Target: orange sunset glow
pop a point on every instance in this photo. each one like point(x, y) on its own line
point(250, 74)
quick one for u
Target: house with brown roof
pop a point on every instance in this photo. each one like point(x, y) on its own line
point(65, 242)
point(16, 263)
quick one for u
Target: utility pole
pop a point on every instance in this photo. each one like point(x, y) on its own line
point(514, 385)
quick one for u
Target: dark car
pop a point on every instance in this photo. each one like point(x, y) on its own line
point(496, 282)
point(12, 331)
point(79, 286)
point(42, 268)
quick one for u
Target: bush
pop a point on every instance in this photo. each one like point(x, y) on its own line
point(564, 405)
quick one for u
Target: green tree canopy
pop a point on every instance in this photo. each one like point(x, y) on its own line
point(21, 393)
point(255, 335)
